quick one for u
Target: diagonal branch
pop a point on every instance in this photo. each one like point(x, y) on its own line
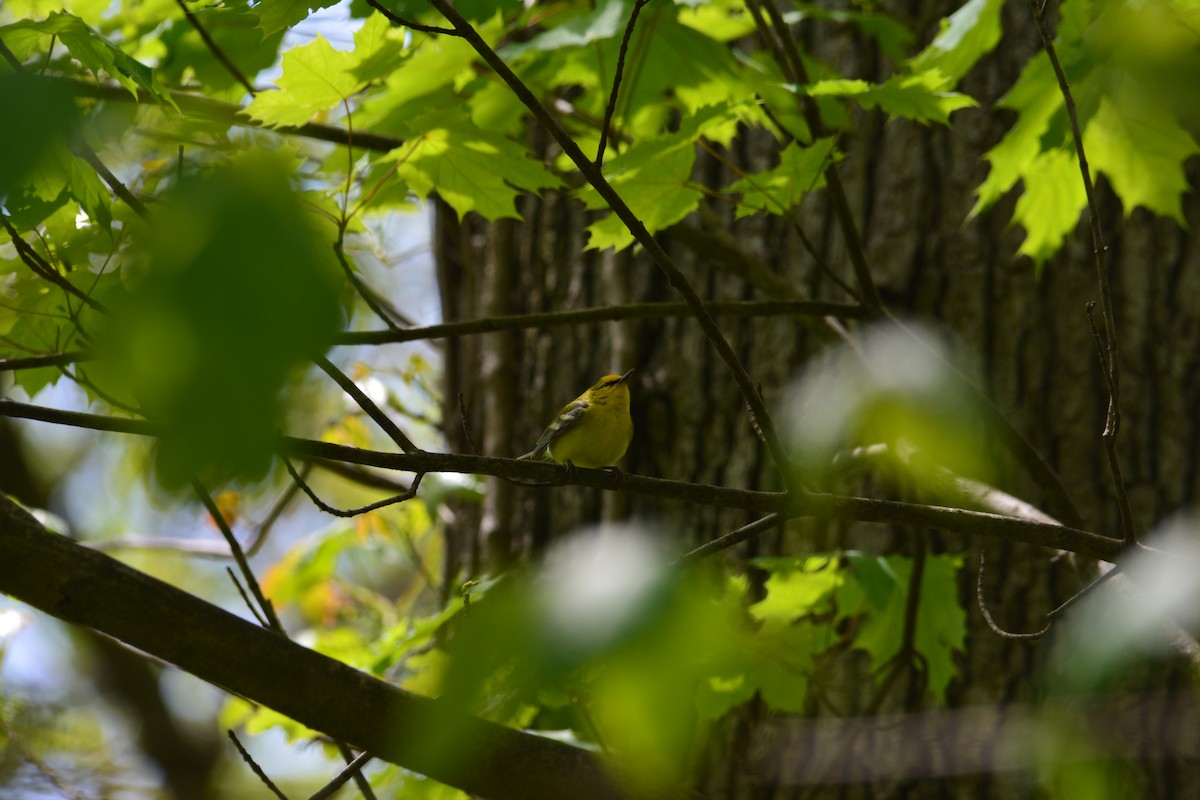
point(366, 404)
point(759, 414)
point(216, 50)
point(87, 588)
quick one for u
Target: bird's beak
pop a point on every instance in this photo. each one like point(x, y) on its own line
point(626, 375)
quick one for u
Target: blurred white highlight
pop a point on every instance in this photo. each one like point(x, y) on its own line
point(598, 581)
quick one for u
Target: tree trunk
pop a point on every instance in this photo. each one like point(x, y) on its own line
point(1025, 331)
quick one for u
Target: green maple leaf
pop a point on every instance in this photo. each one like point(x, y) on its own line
point(940, 623)
point(652, 178)
point(275, 15)
point(774, 191)
point(796, 588)
point(1142, 149)
point(1049, 208)
point(471, 169)
point(316, 77)
point(92, 50)
point(1035, 96)
point(922, 97)
point(965, 36)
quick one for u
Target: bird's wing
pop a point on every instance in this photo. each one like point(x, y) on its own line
point(567, 418)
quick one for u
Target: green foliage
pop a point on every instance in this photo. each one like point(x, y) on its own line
point(317, 77)
point(471, 169)
point(95, 52)
point(230, 260)
point(215, 302)
point(1124, 67)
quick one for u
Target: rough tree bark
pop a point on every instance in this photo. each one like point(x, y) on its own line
point(1025, 331)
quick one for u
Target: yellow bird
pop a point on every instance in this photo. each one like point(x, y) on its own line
point(593, 430)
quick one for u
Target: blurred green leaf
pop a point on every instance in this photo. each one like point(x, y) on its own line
point(49, 118)
point(238, 291)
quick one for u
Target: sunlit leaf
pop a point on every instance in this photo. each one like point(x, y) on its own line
point(1142, 149)
point(965, 36)
point(1050, 205)
point(922, 97)
point(471, 169)
point(776, 191)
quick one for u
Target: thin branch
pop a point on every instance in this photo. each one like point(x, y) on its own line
point(228, 113)
point(85, 151)
point(366, 404)
point(551, 319)
point(262, 776)
point(595, 177)
point(1109, 436)
point(360, 780)
point(202, 548)
point(365, 293)
point(238, 556)
point(555, 319)
point(466, 426)
point(352, 769)
point(46, 271)
point(396, 19)
point(264, 528)
point(824, 506)
point(245, 597)
point(1109, 353)
point(616, 86)
point(215, 48)
point(987, 615)
point(48, 360)
point(352, 512)
point(728, 540)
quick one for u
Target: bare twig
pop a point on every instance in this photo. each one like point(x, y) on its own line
point(987, 615)
point(364, 292)
point(1109, 436)
point(352, 769)
point(262, 776)
point(217, 52)
point(728, 540)
point(352, 512)
point(396, 19)
point(366, 404)
point(45, 270)
point(551, 319)
point(236, 550)
point(245, 597)
point(466, 425)
point(1109, 353)
point(616, 85)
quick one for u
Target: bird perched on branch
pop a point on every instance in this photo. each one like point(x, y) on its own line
point(593, 430)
